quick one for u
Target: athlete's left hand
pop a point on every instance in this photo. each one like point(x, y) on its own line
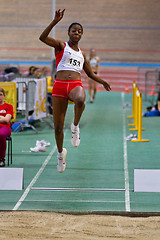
point(106, 86)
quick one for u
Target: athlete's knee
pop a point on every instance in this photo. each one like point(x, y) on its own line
point(80, 102)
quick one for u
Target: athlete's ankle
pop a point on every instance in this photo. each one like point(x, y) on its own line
point(60, 154)
point(75, 127)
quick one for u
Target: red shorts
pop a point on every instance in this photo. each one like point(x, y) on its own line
point(62, 88)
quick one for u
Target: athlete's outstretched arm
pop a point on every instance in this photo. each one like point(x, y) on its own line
point(57, 44)
point(93, 76)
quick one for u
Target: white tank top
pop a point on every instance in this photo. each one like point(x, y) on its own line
point(93, 62)
point(68, 59)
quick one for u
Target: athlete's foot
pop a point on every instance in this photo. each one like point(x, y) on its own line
point(94, 95)
point(91, 100)
point(75, 140)
point(61, 164)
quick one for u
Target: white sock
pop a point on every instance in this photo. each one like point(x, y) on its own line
point(60, 154)
point(75, 127)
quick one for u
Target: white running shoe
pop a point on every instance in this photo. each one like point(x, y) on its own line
point(46, 144)
point(39, 148)
point(61, 164)
point(130, 137)
point(75, 140)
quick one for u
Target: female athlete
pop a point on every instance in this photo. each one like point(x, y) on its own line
point(70, 60)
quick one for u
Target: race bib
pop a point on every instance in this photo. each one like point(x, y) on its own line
point(74, 61)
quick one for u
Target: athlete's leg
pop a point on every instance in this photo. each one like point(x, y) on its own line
point(77, 95)
point(95, 89)
point(59, 112)
point(90, 90)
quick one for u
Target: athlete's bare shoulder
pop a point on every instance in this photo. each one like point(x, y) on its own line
point(59, 46)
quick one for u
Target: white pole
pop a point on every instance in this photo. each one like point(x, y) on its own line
point(53, 35)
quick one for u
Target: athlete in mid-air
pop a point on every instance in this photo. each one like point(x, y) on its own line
point(70, 60)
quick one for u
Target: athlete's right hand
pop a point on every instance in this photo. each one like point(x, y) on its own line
point(59, 15)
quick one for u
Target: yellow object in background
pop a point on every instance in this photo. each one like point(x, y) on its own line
point(133, 101)
point(49, 84)
point(11, 95)
point(49, 81)
point(139, 113)
point(49, 89)
point(70, 102)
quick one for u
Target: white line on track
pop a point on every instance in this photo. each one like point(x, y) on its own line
point(127, 195)
point(34, 179)
point(78, 189)
point(85, 201)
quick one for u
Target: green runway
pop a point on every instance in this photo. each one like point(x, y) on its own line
point(99, 173)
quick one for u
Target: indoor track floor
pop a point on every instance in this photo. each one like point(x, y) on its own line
point(99, 175)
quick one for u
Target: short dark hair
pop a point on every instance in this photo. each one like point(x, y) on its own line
point(75, 23)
